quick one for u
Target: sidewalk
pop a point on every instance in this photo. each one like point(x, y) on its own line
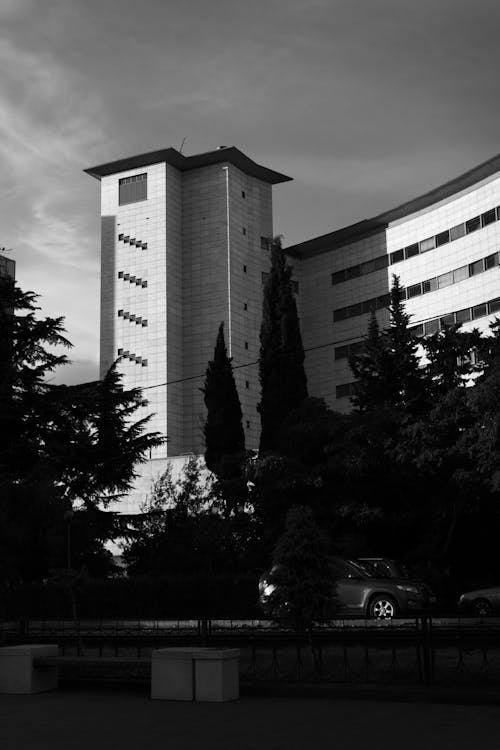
point(129, 720)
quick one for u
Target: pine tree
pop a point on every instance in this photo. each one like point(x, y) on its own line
point(369, 368)
point(388, 370)
point(224, 436)
point(281, 361)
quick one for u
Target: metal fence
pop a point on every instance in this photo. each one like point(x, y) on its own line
point(422, 650)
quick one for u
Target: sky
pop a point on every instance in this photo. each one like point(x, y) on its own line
point(364, 103)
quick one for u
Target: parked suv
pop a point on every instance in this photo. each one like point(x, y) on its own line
point(361, 593)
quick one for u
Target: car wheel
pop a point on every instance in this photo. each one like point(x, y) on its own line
point(383, 607)
point(482, 607)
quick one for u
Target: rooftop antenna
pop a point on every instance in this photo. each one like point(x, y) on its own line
point(182, 145)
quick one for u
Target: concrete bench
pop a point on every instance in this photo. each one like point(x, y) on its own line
point(202, 674)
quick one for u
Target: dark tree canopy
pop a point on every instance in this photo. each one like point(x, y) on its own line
point(224, 436)
point(281, 361)
point(61, 447)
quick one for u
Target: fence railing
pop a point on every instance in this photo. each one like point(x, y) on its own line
point(421, 650)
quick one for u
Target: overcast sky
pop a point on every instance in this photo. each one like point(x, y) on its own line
point(365, 103)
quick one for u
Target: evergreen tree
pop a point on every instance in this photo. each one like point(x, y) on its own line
point(224, 436)
point(59, 445)
point(369, 367)
point(388, 370)
point(281, 361)
point(301, 575)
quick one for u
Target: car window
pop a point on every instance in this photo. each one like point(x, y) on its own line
point(347, 569)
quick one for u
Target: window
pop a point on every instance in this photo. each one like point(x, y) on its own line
point(248, 424)
point(418, 330)
point(120, 313)
point(341, 352)
point(357, 348)
point(144, 323)
point(473, 224)
point(447, 320)
point(442, 238)
point(476, 267)
point(462, 316)
point(247, 384)
point(243, 195)
point(494, 305)
point(144, 362)
point(244, 230)
point(264, 243)
point(120, 274)
point(397, 256)
point(459, 274)
point(244, 269)
point(265, 276)
point(456, 232)
point(133, 189)
point(338, 277)
point(430, 285)
point(246, 344)
point(352, 273)
point(144, 245)
point(245, 306)
point(120, 352)
point(414, 290)
point(120, 236)
point(432, 326)
point(354, 310)
point(369, 305)
point(411, 250)
point(383, 301)
point(367, 267)
point(428, 244)
point(491, 261)
point(488, 217)
point(340, 314)
point(445, 280)
point(479, 311)
point(144, 284)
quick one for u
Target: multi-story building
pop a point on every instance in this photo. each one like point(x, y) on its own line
point(185, 246)
point(7, 266)
point(444, 246)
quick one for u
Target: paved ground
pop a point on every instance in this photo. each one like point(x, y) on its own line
point(91, 720)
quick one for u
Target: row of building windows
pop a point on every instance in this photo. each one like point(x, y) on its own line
point(133, 189)
point(431, 326)
point(132, 279)
point(422, 287)
point(459, 316)
point(128, 240)
point(453, 277)
point(430, 243)
point(133, 318)
point(125, 354)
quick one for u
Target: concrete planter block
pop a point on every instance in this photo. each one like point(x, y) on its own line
point(202, 674)
point(17, 673)
point(217, 675)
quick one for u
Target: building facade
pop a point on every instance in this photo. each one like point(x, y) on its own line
point(444, 246)
point(185, 246)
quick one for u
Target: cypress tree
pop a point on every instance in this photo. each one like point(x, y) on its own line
point(281, 361)
point(223, 431)
point(369, 368)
